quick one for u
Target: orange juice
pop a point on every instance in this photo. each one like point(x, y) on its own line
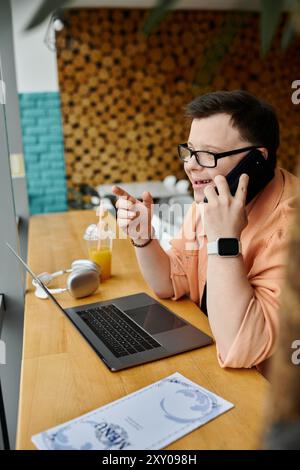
point(103, 258)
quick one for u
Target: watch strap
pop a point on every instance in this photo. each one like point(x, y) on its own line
point(212, 248)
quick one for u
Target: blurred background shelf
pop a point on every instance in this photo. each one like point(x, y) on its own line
point(157, 189)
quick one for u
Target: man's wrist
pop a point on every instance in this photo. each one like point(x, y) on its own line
point(214, 237)
point(142, 241)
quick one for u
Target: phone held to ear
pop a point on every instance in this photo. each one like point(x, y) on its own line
point(257, 168)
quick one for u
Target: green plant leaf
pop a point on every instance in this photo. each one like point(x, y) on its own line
point(45, 9)
point(270, 15)
point(157, 14)
point(217, 49)
point(288, 34)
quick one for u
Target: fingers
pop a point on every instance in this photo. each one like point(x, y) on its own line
point(127, 211)
point(125, 218)
point(124, 204)
point(222, 186)
point(122, 193)
point(126, 214)
point(133, 216)
point(124, 224)
point(241, 192)
point(210, 193)
point(147, 199)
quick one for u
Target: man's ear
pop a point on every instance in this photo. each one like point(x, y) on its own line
point(264, 152)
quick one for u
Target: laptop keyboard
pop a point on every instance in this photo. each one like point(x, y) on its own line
point(117, 331)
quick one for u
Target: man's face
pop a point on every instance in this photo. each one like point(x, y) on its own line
point(215, 134)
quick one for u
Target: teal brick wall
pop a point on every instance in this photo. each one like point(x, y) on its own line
point(43, 151)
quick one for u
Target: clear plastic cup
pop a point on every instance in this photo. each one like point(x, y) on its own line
point(99, 240)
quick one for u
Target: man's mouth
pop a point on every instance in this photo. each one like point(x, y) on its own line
point(200, 183)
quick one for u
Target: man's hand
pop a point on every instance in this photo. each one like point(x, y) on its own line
point(134, 216)
point(225, 215)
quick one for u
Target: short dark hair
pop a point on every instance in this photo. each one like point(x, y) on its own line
point(255, 119)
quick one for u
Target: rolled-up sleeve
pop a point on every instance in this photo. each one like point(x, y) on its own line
point(177, 274)
point(183, 258)
point(257, 336)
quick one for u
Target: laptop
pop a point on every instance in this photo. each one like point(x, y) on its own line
point(131, 330)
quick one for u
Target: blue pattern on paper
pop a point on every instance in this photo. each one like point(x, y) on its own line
point(200, 403)
point(110, 436)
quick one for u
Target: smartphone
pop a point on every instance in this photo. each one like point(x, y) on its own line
point(257, 168)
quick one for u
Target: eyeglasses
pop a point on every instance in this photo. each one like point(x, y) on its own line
point(205, 158)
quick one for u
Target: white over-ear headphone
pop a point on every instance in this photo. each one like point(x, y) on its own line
point(84, 280)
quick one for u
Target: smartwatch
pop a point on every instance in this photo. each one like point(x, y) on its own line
point(224, 247)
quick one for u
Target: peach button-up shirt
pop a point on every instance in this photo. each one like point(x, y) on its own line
point(264, 241)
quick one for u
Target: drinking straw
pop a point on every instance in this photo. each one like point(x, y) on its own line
point(99, 228)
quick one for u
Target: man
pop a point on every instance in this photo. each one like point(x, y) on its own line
point(242, 291)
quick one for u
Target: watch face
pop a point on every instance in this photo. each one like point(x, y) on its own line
point(228, 246)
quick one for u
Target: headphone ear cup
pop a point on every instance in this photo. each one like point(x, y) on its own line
point(83, 282)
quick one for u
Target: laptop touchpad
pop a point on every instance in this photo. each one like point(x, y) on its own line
point(155, 318)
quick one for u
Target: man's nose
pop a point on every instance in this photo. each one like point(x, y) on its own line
point(192, 164)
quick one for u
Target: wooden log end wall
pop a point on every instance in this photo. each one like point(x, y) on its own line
point(123, 95)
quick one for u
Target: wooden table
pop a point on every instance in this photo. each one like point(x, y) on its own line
point(62, 377)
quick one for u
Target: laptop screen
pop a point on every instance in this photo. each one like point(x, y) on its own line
point(35, 277)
